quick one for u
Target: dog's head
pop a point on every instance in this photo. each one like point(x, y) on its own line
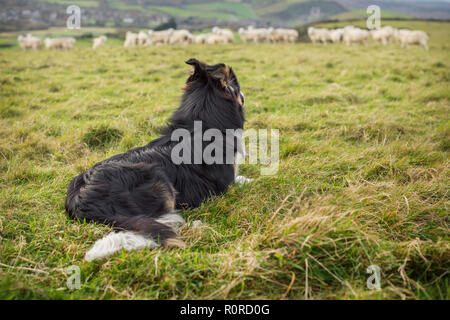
point(219, 77)
point(213, 95)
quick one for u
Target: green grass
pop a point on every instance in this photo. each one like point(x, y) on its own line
point(363, 179)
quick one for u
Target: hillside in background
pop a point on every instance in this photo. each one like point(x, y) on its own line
point(423, 9)
point(197, 14)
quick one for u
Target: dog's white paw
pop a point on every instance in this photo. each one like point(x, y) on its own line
point(240, 180)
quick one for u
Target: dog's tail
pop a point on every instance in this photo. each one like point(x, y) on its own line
point(136, 233)
point(137, 200)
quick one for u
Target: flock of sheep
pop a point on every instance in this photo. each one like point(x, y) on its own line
point(172, 37)
point(34, 43)
point(258, 35)
point(217, 36)
point(351, 34)
point(348, 35)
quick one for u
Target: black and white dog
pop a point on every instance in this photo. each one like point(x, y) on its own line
point(139, 192)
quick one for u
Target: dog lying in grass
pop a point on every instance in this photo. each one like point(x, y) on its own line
point(139, 192)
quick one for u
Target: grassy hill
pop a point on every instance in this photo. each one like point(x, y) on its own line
point(363, 177)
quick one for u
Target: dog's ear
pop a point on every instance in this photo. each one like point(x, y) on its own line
point(198, 67)
point(219, 72)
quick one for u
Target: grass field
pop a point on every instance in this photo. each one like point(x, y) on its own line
point(363, 179)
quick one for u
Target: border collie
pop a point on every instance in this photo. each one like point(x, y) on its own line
point(139, 192)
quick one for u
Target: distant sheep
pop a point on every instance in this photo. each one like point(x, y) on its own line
point(98, 42)
point(292, 35)
point(256, 35)
point(283, 35)
point(225, 33)
point(143, 39)
point(247, 35)
point(181, 37)
point(59, 43)
point(131, 39)
point(319, 35)
point(211, 38)
point(383, 35)
point(355, 35)
point(201, 38)
point(336, 35)
point(217, 39)
point(29, 42)
point(407, 37)
point(160, 37)
point(69, 42)
point(262, 34)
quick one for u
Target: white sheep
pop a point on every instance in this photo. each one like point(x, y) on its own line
point(181, 37)
point(160, 37)
point(29, 42)
point(217, 39)
point(51, 44)
point(355, 35)
point(336, 35)
point(292, 35)
point(227, 33)
point(382, 35)
point(201, 38)
point(59, 43)
point(143, 39)
point(407, 37)
point(283, 35)
point(319, 35)
point(248, 35)
point(68, 43)
point(263, 34)
point(131, 39)
point(98, 42)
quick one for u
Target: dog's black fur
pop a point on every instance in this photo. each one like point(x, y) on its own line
point(131, 190)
